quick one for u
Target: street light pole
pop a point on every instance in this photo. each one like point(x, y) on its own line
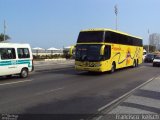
point(116, 13)
point(4, 30)
point(148, 41)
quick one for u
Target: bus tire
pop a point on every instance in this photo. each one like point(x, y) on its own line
point(137, 63)
point(113, 68)
point(24, 73)
point(134, 64)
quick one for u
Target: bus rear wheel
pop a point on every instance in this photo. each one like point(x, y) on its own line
point(137, 63)
point(24, 73)
point(134, 64)
point(113, 68)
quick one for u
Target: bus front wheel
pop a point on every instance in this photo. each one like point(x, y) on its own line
point(134, 64)
point(113, 68)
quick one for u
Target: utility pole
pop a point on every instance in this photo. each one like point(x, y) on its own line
point(116, 13)
point(148, 41)
point(4, 30)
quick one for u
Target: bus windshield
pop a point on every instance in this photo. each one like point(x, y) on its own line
point(88, 53)
point(91, 36)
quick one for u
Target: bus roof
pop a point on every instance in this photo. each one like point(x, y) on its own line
point(106, 29)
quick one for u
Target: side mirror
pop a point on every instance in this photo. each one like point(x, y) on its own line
point(71, 50)
point(102, 50)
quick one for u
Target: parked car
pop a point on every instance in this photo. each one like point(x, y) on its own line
point(149, 57)
point(156, 61)
point(144, 54)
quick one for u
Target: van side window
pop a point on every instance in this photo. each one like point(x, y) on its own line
point(23, 53)
point(7, 53)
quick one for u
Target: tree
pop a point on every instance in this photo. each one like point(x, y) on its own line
point(2, 37)
point(151, 48)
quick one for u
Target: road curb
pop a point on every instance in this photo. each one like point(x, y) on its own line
point(110, 106)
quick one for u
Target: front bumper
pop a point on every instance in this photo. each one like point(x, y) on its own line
point(94, 69)
point(92, 66)
point(156, 63)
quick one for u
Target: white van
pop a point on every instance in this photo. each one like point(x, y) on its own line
point(15, 59)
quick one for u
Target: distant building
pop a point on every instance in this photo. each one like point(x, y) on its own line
point(6, 41)
point(42, 51)
point(154, 39)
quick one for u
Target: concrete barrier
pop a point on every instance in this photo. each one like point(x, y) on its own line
point(60, 59)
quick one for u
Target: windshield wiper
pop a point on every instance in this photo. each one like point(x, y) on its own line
point(84, 57)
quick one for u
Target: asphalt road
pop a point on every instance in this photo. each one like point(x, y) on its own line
point(59, 89)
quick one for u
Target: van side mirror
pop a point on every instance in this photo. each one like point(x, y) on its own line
point(102, 50)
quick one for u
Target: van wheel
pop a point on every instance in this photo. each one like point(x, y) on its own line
point(113, 68)
point(24, 73)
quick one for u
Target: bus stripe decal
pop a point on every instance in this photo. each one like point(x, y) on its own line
point(118, 53)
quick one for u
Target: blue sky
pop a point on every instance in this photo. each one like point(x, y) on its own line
point(56, 23)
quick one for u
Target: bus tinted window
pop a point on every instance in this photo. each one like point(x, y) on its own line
point(7, 53)
point(113, 37)
point(90, 36)
point(107, 52)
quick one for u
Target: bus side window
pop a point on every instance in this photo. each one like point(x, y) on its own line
point(107, 52)
point(111, 37)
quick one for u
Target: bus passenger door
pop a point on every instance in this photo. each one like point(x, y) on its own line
point(107, 52)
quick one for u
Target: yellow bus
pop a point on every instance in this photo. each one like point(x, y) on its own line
point(103, 50)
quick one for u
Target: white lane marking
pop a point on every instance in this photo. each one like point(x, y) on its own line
point(100, 117)
point(49, 91)
point(41, 65)
point(142, 67)
point(116, 100)
point(157, 78)
point(30, 96)
point(139, 67)
point(15, 82)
